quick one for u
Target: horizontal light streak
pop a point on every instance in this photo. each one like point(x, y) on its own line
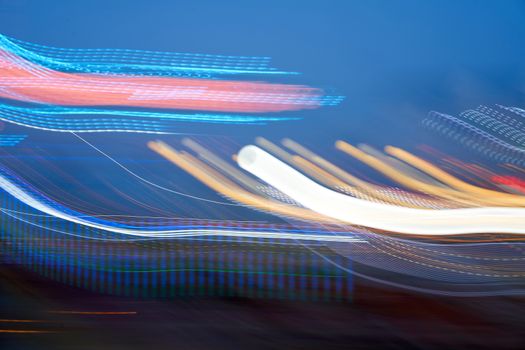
point(378, 215)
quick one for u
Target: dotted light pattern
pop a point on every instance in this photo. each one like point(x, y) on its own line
point(162, 268)
point(140, 90)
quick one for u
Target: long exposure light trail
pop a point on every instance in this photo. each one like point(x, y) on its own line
point(27, 81)
point(222, 185)
point(377, 215)
point(41, 206)
point(106, 90)
point(356, 186)
point(64, 119)
point(441, 175)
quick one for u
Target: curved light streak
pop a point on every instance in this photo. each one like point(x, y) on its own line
point(355, 186)
point(499, 132)
point(170, 190)
point(138, 62)
point(443, 176)
point(65, 119)
point(378, 215)
point(221, 184)
point(30, 200)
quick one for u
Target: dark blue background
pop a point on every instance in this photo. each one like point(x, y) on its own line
point(394, 60)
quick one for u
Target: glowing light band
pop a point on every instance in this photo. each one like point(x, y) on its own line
point(30, 200)
point(378, 215)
